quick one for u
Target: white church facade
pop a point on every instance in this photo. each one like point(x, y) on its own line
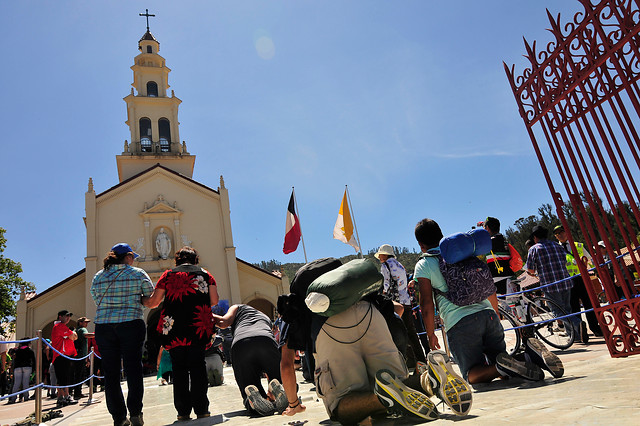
point(157, 208)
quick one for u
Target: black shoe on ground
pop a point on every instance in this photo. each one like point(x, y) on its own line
point(509, 366)
point(584, 335)
point(124, 422)
point(543, 357)
point(136, 420)
point(258, 403)
point(399, 399)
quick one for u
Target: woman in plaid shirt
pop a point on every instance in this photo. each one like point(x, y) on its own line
point(120, 330)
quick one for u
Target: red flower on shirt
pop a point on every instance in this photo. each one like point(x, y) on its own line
point(178, 342)
point(160, 323)
point(203, 321)
point(178, 284)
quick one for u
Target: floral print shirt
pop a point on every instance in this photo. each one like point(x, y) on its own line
point(395, 281)
point(186, 317)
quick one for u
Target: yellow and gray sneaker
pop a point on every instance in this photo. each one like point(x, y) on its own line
point(402, 400)
point(442, 381)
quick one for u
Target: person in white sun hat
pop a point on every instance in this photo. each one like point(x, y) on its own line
point(396, 287)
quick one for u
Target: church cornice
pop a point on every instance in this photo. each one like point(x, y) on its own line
point(56, 286)
point(158, 168)
point(264, 271)
point(160, 100)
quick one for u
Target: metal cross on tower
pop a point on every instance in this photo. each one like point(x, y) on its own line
point(147, 15)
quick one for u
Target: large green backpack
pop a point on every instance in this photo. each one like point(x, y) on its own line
point(335, 291)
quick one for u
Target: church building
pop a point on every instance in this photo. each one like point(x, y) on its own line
point(157, 208)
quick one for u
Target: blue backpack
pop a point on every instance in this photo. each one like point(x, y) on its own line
point(468, 278)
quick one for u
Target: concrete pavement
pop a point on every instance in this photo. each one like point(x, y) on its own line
point(596, 389)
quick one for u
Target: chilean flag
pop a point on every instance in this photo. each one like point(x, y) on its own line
point(293, 232)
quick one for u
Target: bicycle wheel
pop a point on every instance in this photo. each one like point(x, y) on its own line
point(557, 333)
point(511, 336)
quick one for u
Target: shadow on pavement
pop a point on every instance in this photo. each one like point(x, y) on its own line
point(520, 384)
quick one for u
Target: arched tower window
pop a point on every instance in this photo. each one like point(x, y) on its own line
point(145, 134)
point(152, 89)
point(164, 128)
point(149, 49)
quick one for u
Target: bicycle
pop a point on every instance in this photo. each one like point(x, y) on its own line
point(538, 314)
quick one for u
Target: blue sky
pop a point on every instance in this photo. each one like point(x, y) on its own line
point(406, 102)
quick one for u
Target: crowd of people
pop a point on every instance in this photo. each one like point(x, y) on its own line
point(19, 363)
point(366, 360)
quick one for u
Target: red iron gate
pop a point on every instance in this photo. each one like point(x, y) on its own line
point(581, 94)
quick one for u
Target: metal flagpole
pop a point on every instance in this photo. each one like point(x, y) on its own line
point(354, 220)
point(295, 202)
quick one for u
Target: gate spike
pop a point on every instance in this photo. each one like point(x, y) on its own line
point(555, 25)
point(530, 50)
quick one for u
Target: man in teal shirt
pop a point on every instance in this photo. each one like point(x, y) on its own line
point(474, 331)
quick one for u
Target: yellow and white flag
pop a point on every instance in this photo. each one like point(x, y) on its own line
point(343, 230)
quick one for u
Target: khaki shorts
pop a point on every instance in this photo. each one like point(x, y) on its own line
point(351, 347)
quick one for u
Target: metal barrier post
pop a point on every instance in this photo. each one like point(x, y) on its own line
point(91, 355)
point(90, 400)
point(38, 399)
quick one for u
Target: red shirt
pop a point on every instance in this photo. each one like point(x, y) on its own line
point(91, 344)
point(60, 340)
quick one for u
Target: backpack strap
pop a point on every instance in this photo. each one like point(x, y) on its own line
point(440, 263)
point(393, 281)
point(113, 280)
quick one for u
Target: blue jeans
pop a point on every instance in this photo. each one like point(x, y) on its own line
point(124, 341)
point(476, 338)
point(563, 299)
point(21, 377)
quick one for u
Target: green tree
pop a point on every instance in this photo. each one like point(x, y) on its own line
point(10, 284)
point(547, 218)
point(407, 257)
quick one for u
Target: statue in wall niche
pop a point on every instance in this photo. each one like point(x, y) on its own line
point(163, 244)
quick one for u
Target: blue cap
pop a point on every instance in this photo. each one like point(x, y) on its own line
point(123, 248)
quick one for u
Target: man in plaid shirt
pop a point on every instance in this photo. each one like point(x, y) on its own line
point(117, 291)
point(547, 260)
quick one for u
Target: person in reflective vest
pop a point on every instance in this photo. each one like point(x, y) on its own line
point(579, 291)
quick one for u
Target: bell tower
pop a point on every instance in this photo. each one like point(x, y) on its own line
point(152, 116)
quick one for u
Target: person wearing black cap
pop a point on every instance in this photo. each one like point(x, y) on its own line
point(579, 291)
point(120, 330)
point(62, 341)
